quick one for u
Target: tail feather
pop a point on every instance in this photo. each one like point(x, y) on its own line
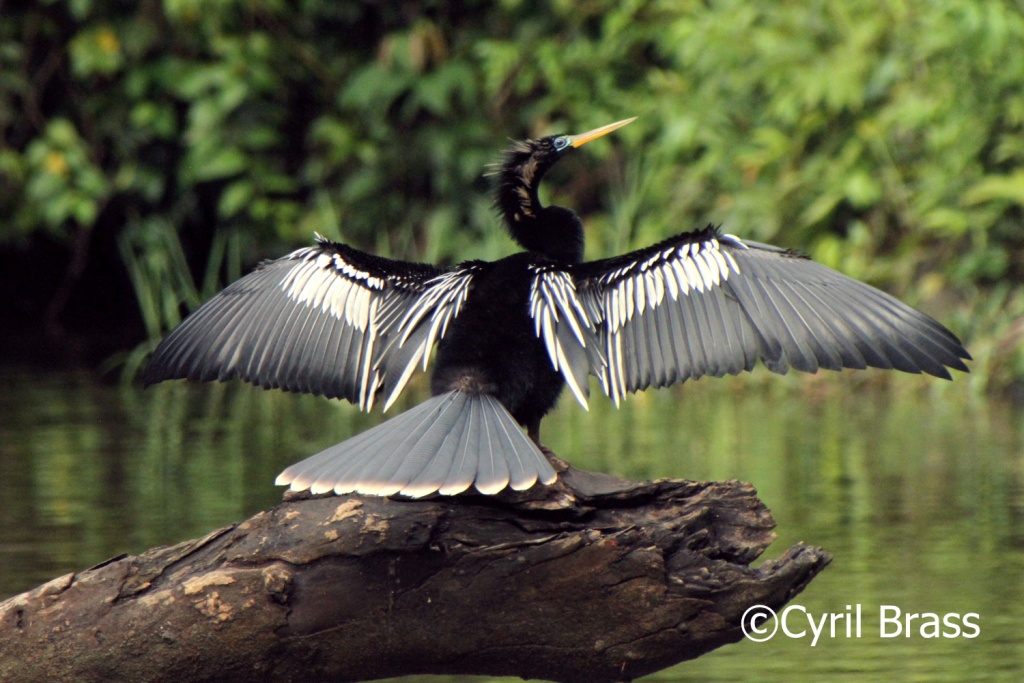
point(467, 449)
point(439, 468)
point(445, 445)
point(512, 441)
point(492, 472)
point(421, 445)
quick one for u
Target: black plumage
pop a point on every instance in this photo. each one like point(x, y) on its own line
point(511, 334)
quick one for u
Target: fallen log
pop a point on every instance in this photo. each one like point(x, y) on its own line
point(594, 579)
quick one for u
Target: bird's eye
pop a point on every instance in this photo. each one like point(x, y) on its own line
point(561, 142)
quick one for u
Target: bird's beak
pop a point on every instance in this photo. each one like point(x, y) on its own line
point(584, 138)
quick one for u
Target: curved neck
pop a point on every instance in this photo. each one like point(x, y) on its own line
point(554, 231)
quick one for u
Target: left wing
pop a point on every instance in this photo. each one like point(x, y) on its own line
point(703, 303)
point(328, 319)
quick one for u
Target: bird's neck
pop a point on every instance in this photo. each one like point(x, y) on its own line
point(554, 231)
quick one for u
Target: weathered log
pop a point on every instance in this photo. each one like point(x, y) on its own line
point(607, 580)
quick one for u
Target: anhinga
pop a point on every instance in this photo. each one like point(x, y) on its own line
point(332, 320)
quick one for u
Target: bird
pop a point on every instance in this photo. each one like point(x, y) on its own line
point(511, 335)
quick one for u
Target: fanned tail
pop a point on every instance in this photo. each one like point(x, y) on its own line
point(443, 445)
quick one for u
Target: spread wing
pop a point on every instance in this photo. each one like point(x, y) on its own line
point(703, 303)
point(327, 319)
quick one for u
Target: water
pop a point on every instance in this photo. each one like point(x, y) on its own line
point(915, 487)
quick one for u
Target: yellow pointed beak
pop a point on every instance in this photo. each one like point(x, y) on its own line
point(584, 138)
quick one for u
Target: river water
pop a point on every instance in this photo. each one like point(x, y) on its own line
point(914, 485)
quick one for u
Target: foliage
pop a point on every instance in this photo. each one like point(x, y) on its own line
point(885, 137)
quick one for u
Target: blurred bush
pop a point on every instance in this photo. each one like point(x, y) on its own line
point(884, 137)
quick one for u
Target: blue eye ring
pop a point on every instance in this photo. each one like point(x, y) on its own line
point(561, 142)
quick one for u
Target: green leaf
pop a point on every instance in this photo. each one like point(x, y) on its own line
point(96, 50)
point(208, 161)
point(996, 188)
point(234, 198)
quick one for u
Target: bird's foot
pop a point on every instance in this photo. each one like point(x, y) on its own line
point(556, 462)
point(557, 495)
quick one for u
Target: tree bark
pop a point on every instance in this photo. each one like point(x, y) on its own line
point(594, 579)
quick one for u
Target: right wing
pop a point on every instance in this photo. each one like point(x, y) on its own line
point(703, 303)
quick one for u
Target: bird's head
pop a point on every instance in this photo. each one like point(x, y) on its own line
point(554, 231)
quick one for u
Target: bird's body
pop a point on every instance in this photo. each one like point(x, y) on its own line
point(492, 344)
point(512, 334)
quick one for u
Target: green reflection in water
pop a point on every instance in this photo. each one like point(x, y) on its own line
point(912, 484)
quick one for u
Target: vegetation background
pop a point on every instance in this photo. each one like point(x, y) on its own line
point(154, 150)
